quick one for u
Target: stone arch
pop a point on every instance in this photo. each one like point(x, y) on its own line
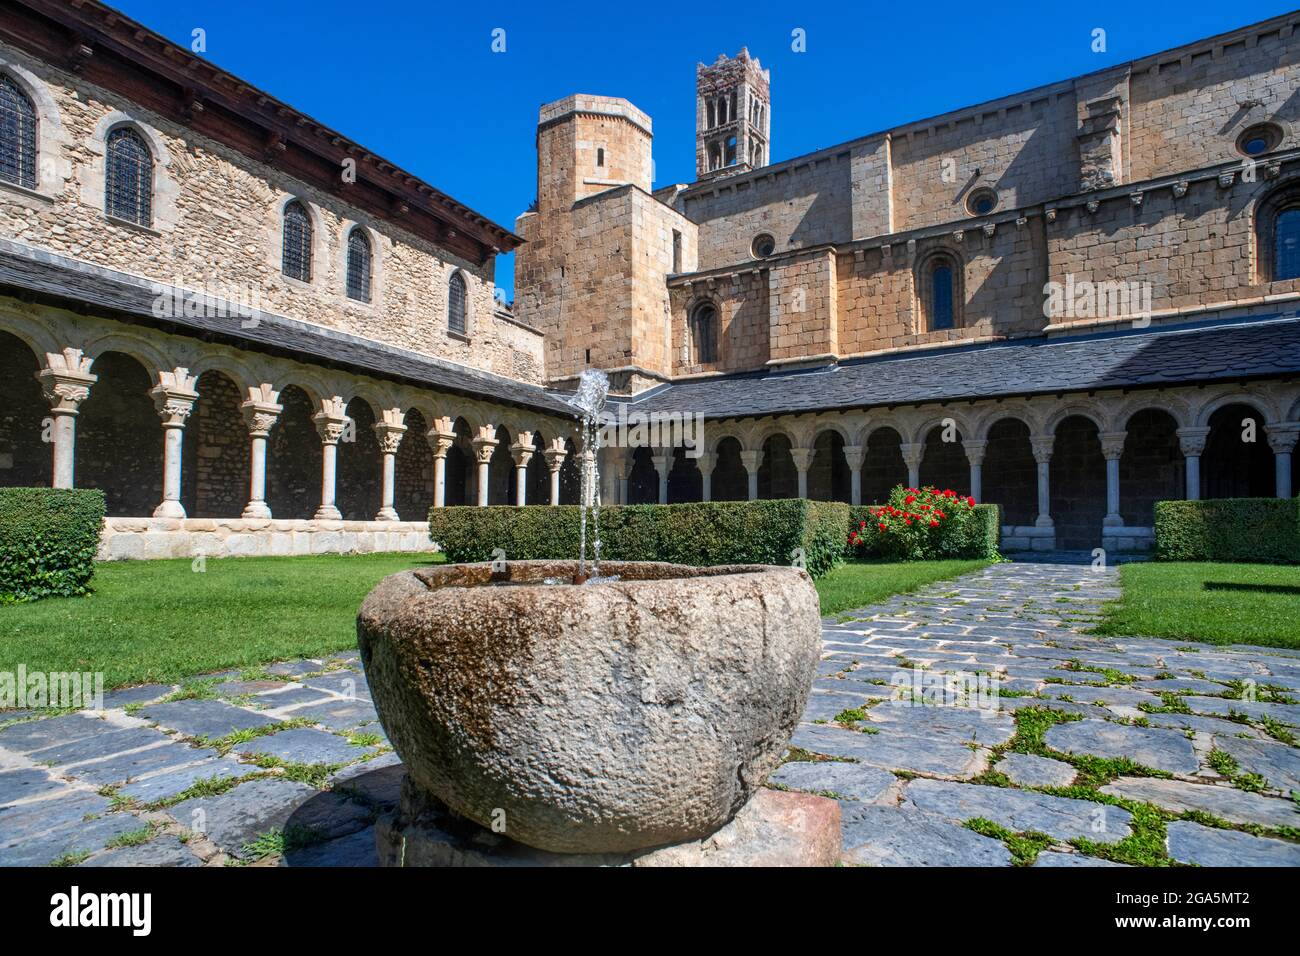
point(119, 437)
point(685, 481)
point(501, 470)
point(1010, 473)
point(293, 457)
point(460, 472)
point(141, 348)
point(34, 334)
point(642, 479)
point(230, 366)
point(1174, 407)
point(413, 488)
point(538, 490)
point(345, 230)
point(1152, 467)
point(883, 466)
point(777, 477)
point(1231, 466)
point(943, 463)
point(1257, 403)
point(1075, 410)
point(829, 478)
point(570, 475)
point(26, 459)
point(320, 240)
point(215, 451)
point(730, 481)
point(1078, 482)
point(359, 493)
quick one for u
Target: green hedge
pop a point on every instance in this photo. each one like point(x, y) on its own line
point(48, 540)
point(1265, 530)
point(698, 534)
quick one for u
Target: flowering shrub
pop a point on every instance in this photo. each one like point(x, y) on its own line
point(918, 524)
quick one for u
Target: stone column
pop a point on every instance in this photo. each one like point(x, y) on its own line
point(913, 452)
point(751, 460)
point(442, 435)
point(1042, 446)
point(522, 452)
point(66, 382)
point(975, 448)
point(1192, 443)
point(389, 431)
point(1282, 439)
point(555, 456)
point(174, 397)
point(803, 459)
point(261, 412)
point(1112, 449)
point(484, 446)
point(855, 455)
point(706, 463)
point(331, 422)
point(663, 462)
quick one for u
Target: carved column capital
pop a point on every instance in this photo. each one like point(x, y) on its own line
point(706, 462)
point(1282, 436)
point(174, 398)
point(1042, 446)
point(1112, 444)
point(484, 448)
point(66, 380)
point(555, 458)
point(1192, 440)
point(389, 435)
point(913, 452)
point(522, 452)
point(975, 449)
point(803, 458)
point(855, 455)
point(751, 460)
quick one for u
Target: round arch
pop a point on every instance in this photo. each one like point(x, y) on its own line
point(26, 460)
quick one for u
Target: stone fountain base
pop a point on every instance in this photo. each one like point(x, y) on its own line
point(773, 828)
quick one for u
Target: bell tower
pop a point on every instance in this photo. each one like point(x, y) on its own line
point(733, 115)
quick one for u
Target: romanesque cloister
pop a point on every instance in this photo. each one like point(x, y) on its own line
point(201, 446)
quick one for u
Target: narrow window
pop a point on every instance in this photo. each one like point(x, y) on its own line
point(600, 156)
point(456, 303)
point(128, 177)
point(704, 333)
point(359, 266)
point(1286, 243)
point(295, 258)
point(677, 252)
point(941, 305)
point(712, 119)
point(17, 135)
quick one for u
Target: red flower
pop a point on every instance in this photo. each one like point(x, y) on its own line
point(882, 526)
point(970, 501)
point(934, 524)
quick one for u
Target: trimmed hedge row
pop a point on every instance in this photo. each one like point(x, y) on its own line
point(1261, 530)
point(698, 534)
point(48, 540)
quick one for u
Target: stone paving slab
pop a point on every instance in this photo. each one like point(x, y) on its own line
point(892, 751)
point(354, 850)
point(847, 781)
point(1225, 802)
point(304, 745)
point(1277, 763)
point(203, 718)
point(172, 782)
point(239, 816)
point(1167, 750)
point(1192, 843)
point(1062, 818)
point(77, 836)
point(1028, 770)
point(165, 850)
point(1053, 858)
point(99, 745)
point(52, 731)
point(338, 714)
point(121, 768)
point(24, 784)
point(894, 836)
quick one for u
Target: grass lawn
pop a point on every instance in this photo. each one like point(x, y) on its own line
point(162, 621)
point(1213, 603)
point(860, 583)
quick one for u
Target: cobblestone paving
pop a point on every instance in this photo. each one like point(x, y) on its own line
point(1093, 751)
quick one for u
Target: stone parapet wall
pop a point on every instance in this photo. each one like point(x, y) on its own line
point(140, 538)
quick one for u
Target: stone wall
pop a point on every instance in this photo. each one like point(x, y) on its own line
point(139, 538)
point(217, 226)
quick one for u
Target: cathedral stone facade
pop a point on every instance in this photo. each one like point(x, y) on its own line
point(258, 337)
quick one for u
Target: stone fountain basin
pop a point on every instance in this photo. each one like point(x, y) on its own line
point(603, 717)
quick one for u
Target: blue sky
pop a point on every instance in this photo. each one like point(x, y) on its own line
point(417, 81)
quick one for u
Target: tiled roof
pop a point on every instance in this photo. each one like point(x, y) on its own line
point(54, 278)
point(1258, 347)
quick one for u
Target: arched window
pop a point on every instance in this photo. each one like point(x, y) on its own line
point(457, 303)
point(128, 177)
point(939, 283)
point(295, 254)
point(704, 333)
point(17, 135)
point(359, 266)
point(1277, 230)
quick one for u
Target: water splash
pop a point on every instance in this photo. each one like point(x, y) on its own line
point(589, 399)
